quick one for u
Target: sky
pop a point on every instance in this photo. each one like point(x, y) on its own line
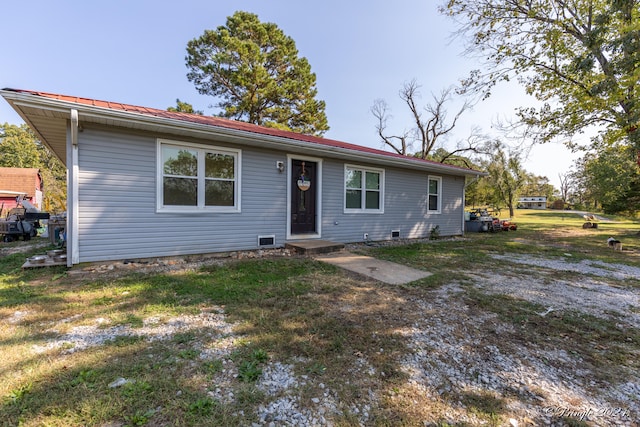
point(133, 51)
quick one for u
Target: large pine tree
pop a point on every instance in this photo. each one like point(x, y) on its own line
point(254, 70)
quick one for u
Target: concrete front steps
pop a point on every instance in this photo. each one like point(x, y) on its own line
point(314, 247)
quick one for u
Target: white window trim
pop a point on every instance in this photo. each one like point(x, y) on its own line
point(439, 179)
point(236, 153)
point(363, 209)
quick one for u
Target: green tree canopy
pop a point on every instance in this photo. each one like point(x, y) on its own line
point(184, 107)
point(254, 69)
point(608, 178)
point(19, 148)
point(506, 178)
point(581, 58)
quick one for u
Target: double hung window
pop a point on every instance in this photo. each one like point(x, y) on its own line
point(196, 177)
point(364, 190)
point(434, 194)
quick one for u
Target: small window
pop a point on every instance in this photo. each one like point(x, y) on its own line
point(434, 194)
point(195, 177)
point(364, 190)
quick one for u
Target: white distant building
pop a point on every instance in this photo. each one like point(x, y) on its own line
point(534, 202)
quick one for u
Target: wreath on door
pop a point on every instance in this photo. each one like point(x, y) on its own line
point(303, 181)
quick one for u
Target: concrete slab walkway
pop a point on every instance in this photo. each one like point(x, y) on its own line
point(384, 271)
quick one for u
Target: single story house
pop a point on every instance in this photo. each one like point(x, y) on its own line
point(16, 182)
point(532, 202)
point(144, 182)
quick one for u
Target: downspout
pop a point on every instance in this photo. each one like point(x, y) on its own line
point(73, 255)
point(464, 198)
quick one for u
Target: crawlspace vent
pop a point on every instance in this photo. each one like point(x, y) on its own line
point(395, 234)
point(266, 240)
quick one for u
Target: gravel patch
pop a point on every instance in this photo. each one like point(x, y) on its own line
point(452, 353)
point(287, 408)
point(586, 294)
point(596, 268)
point(21, 247)
point(17, 317)
point(80, 338)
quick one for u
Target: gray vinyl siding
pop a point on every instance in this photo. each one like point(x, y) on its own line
point(117, 204)
point(118, 218)
point(405, 206)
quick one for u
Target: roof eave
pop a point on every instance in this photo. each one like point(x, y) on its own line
point(19, 100)
point(174, 126)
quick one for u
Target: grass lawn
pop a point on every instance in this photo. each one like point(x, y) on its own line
point(542, 233)
point(190, 347)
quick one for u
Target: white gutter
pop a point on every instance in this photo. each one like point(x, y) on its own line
point(73, 255)
point(74, 127)
point(17, 193)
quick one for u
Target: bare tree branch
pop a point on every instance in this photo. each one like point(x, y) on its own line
point(380, 111)
point(426, 131)
point(475, 143)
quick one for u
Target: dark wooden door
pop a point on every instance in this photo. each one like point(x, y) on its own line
point(303, 197)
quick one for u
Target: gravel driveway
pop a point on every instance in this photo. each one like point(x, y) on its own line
point(457, 350)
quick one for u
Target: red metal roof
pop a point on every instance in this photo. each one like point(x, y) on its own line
point(228, 124)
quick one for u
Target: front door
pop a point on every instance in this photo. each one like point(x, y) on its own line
point(303, 196)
